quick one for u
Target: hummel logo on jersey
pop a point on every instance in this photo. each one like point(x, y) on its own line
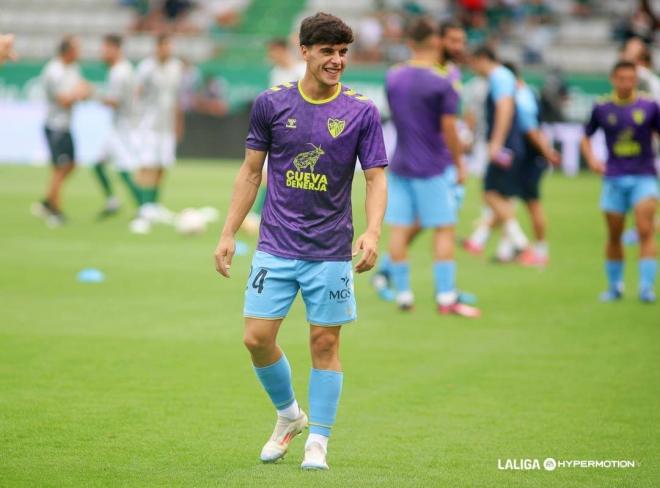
point(291, 123)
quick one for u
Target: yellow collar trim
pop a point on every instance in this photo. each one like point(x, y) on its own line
point(436, 67)
point(622, 101)
point(319, 102)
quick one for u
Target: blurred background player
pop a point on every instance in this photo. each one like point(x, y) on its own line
point(424, 107)
point(64, 87)
point(120, 147)
point(286, 68)
point(629, 121)
point(158, 82)
point(534, 161)
point(505, 148)
point(308, 246)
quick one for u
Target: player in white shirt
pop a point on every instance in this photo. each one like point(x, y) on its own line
point(120, 146)
point(286, 68)
point(161, 124)
point(64, 86)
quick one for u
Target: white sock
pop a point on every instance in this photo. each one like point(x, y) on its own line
point(405, 298)
point(291, 412)
point(480, 235)
point(446, 298)
point(505, 249)
point(515, 233)
point(321, 439)
point(541, 248)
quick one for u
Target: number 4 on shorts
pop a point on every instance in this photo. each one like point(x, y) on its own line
point(258, 282)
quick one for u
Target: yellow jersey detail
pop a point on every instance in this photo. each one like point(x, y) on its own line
point(319, 102)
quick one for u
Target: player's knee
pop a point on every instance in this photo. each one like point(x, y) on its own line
point(255, 342)
point(324, 344)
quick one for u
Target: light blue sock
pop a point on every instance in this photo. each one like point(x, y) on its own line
point(648, 267)
point(400, 273)
point(276, 380)
point(324, 393)
point(444, 275)
point(614, 270)
point(385, 264)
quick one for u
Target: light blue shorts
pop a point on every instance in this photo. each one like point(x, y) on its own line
point(457, 189)
point(429, 201)
point(326, 288)
point(622, 193)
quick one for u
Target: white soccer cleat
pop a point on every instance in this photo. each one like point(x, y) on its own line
point(314, 457)
point(285, 431)
point(140, 226)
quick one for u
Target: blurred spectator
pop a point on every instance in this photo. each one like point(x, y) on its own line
point(554, 95)
point(7, 52)
point(202, 93)
point(642, 23)
point(285, 66)
point(538, 31)
point(369, 39)
point(636, 51)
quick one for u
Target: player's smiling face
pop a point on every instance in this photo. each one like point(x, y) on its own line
point(326, 62)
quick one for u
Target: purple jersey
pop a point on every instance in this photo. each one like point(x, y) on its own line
point(419, 95)
point(312, 149)
point(628, 132)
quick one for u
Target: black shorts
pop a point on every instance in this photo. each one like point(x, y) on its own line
point(531, 173)
point(505, 181)
point(60, 144)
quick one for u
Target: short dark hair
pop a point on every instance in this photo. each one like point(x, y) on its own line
point(278, 42)
point(65, 44)
point(623, 65)
point(511, 67)
point(484, 52)
point(113, 39)
point(420, 29)
point(323, 28)
point(449, 25)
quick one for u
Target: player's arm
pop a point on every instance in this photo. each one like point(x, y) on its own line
point(585, 144)
point(541, 143)
point(243, 196)
point(453, 141)
point(375, 204)
point(504, 110)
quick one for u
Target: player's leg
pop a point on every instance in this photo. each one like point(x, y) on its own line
point(615, 204)
point(401, 218)
point(270, 291)
point(63, 159)
point(531, 176)
point(645, 200)
point(126, 162)
point(614, 256)
point(437, 206)
point(329, 295)
point(325, 385)
point(111, 205)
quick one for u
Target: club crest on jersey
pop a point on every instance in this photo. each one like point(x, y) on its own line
point(291, 123)
point(336, 127)
point(307, 180)
point(638, 116)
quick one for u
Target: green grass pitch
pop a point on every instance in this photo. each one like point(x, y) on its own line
point(143, 380)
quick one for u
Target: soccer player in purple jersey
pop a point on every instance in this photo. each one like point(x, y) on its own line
point(424, 105)
point(629, 120)
point(313, 131)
